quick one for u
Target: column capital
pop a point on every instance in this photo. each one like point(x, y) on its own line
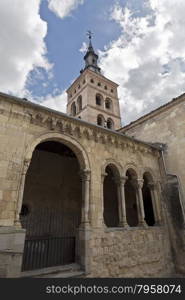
point(152, 185)
point(120, 180)
point(123, 179)
point(139, 183)
point(85, 175)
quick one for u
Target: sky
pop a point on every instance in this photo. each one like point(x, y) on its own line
point(140, 43)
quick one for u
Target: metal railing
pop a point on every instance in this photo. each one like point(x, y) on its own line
point(40, 252)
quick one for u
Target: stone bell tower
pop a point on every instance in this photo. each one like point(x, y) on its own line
point(92, 97)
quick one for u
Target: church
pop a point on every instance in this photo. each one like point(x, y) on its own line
point(80, 196)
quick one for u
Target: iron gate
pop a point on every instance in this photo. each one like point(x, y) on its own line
point(50, 239)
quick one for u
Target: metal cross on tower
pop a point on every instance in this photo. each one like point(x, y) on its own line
point(89, 34)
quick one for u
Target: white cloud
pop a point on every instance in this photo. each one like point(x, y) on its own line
point(58, 102)
point(84, 47)
point(147, 60)
point(63, 8)
point(22, 46)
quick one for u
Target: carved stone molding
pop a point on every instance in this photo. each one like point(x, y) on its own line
point(25, 166)
point(72, 126)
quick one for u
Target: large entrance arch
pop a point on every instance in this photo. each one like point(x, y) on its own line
point(52, 206)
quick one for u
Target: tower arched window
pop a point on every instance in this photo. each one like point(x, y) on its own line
point(100, 120)
point(73, 109)
point(99, 99)
point(110, 123)
point(79, 103)
point(108, 103)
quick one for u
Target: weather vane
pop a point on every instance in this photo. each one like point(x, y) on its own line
point(89, 34)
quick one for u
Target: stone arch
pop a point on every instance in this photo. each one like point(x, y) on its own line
point(108, 104)
point(68, 141)
point(111, 194)
point(99, 99)
point(110, 123)
point(81, 177)
point(79, 103)
point(100, 120)
point(114, 163)
point(150, 172)
point(133, 166)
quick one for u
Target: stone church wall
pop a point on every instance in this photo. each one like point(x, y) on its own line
point(167, 126)
point(130, 253)
point(109, 252)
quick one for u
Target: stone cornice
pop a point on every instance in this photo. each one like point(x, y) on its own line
point(100, 76)
point(60, 122)
point(103, 111)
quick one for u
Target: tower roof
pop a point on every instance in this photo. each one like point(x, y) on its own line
point(91, 57)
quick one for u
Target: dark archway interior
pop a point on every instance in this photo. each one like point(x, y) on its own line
point(52, 197)
point(147, 200)
point(110, 192)
point(130, 200)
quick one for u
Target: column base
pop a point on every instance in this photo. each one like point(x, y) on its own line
point(85, 225)
point(124, 225)
point(143, 224)
point(102, 224)
point(157, 224)
point(17, 224)
point(83, 250)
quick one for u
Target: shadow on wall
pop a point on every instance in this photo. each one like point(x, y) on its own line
point(176, 225)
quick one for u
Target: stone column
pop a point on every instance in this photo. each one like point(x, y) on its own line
point(122, 204)
point(153, 191)
point(85, 177)
point(83, 250)
point(141, 212)
point(159, 199)
point(20, 193)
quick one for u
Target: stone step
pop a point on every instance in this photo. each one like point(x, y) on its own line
point(72, 274)
point(177, 275)
point(66, 271)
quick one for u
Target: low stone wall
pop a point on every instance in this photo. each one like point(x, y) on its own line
point(11, 251)
point(134, 252)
